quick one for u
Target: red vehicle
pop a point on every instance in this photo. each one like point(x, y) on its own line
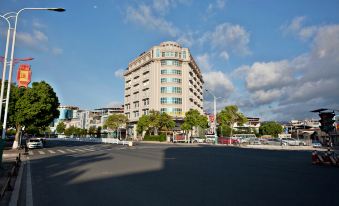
point(227, 140)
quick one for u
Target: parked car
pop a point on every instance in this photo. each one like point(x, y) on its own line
point(227, 140)
point(210, 138)
point(292, 142)
point(197, 140)
point(273, 141)
point(316, 144)
point(34, 143)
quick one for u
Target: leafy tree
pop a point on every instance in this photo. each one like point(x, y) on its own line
point(36, 106)
point(229, 116)
point(72, 130)
point(224, 130)
point(193, 118)
point(166, 122)
point(98, 132)
point(91, 130)
point(115, 121)
point(270, 128)
point(154, 121)
point(143, 124)
point(61, 127)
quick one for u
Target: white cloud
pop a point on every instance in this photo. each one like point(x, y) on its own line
point(218, 83)
point(308, 81)
point(36, 40)
point(186, 39)
point(119, 73)
point(204, 62)
point(144, 16)
point(218, 4)
point(224, 55)
point(296, 27)
point(229, 36)
point(264, 75)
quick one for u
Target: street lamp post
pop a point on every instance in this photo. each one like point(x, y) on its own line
point(215, 116)
point(15, 16)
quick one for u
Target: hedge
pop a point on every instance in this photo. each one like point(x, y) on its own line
point(160, 138)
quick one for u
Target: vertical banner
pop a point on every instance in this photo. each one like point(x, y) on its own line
point(24, 75)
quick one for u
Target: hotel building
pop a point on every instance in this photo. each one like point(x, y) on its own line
point(165, 78)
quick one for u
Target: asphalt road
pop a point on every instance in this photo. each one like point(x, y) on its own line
point(149, 174)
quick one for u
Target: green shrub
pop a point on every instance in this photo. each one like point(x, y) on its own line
point(160, 138)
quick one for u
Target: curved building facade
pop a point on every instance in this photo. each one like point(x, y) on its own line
point(164, 78)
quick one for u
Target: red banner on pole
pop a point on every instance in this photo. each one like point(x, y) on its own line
point(24, 75)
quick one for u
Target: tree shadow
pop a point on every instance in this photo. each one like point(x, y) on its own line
point(184, 176)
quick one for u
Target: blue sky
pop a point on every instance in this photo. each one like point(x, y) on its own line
point(275, 59)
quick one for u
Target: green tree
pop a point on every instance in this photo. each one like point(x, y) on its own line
point(192, 119)
point(72, 130)
point(36, 106)
point(229, 116)
point(270, 128)
point(115, 121)
point(91, 130)
point(166, 122)
point(143, 124)
point(60, 128)
point(154, 121)
point(98, 132)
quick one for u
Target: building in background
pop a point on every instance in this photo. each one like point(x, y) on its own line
point(84, 119)
point(252, 124)
point(165, 78)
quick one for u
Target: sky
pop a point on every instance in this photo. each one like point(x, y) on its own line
point(276, 60)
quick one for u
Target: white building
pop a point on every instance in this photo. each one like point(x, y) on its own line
point(165, 78)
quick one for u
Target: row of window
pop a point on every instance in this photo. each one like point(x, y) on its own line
point(170, 100)
point(171, 54)
point(170, 63)
point(170, 80)
point(170, 71)
point(171, 111)
point(170, 90)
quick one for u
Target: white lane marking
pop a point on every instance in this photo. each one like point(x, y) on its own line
point(29, 191)
point(79, 150)
point(70, 150)
point(41, 152)
point(51, 151)
point(15, 193)
point(63, 152)
point(91, 150)
point(30, 152)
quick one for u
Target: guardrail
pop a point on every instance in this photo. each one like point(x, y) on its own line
point(14, 172)
point(97, 140)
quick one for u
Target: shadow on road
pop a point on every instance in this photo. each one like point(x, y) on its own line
point(188, 176)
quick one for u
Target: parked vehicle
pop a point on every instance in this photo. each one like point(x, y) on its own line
point(34, 143)
point(316, 144)
point(292, 142)
point(227, 140)
point(273, 141)
point(180, 138)
point(210, 138)
point(197, 140)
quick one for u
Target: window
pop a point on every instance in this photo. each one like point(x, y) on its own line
point(146, 102)
point(184, 54)
point(146, 112)
point(136, 104)
point(170, 89)
point(136, 113)
point(170, 80)
point(170, 71)
point(171, 111)
point(170, 62)
point(170, 100)
point(157, 53)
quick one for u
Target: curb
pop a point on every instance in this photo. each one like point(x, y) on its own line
point(17, 186)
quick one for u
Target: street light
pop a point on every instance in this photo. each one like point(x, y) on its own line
point(15, 16)
point(215, 116)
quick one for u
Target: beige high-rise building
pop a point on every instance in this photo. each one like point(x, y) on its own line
point(165, 78)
